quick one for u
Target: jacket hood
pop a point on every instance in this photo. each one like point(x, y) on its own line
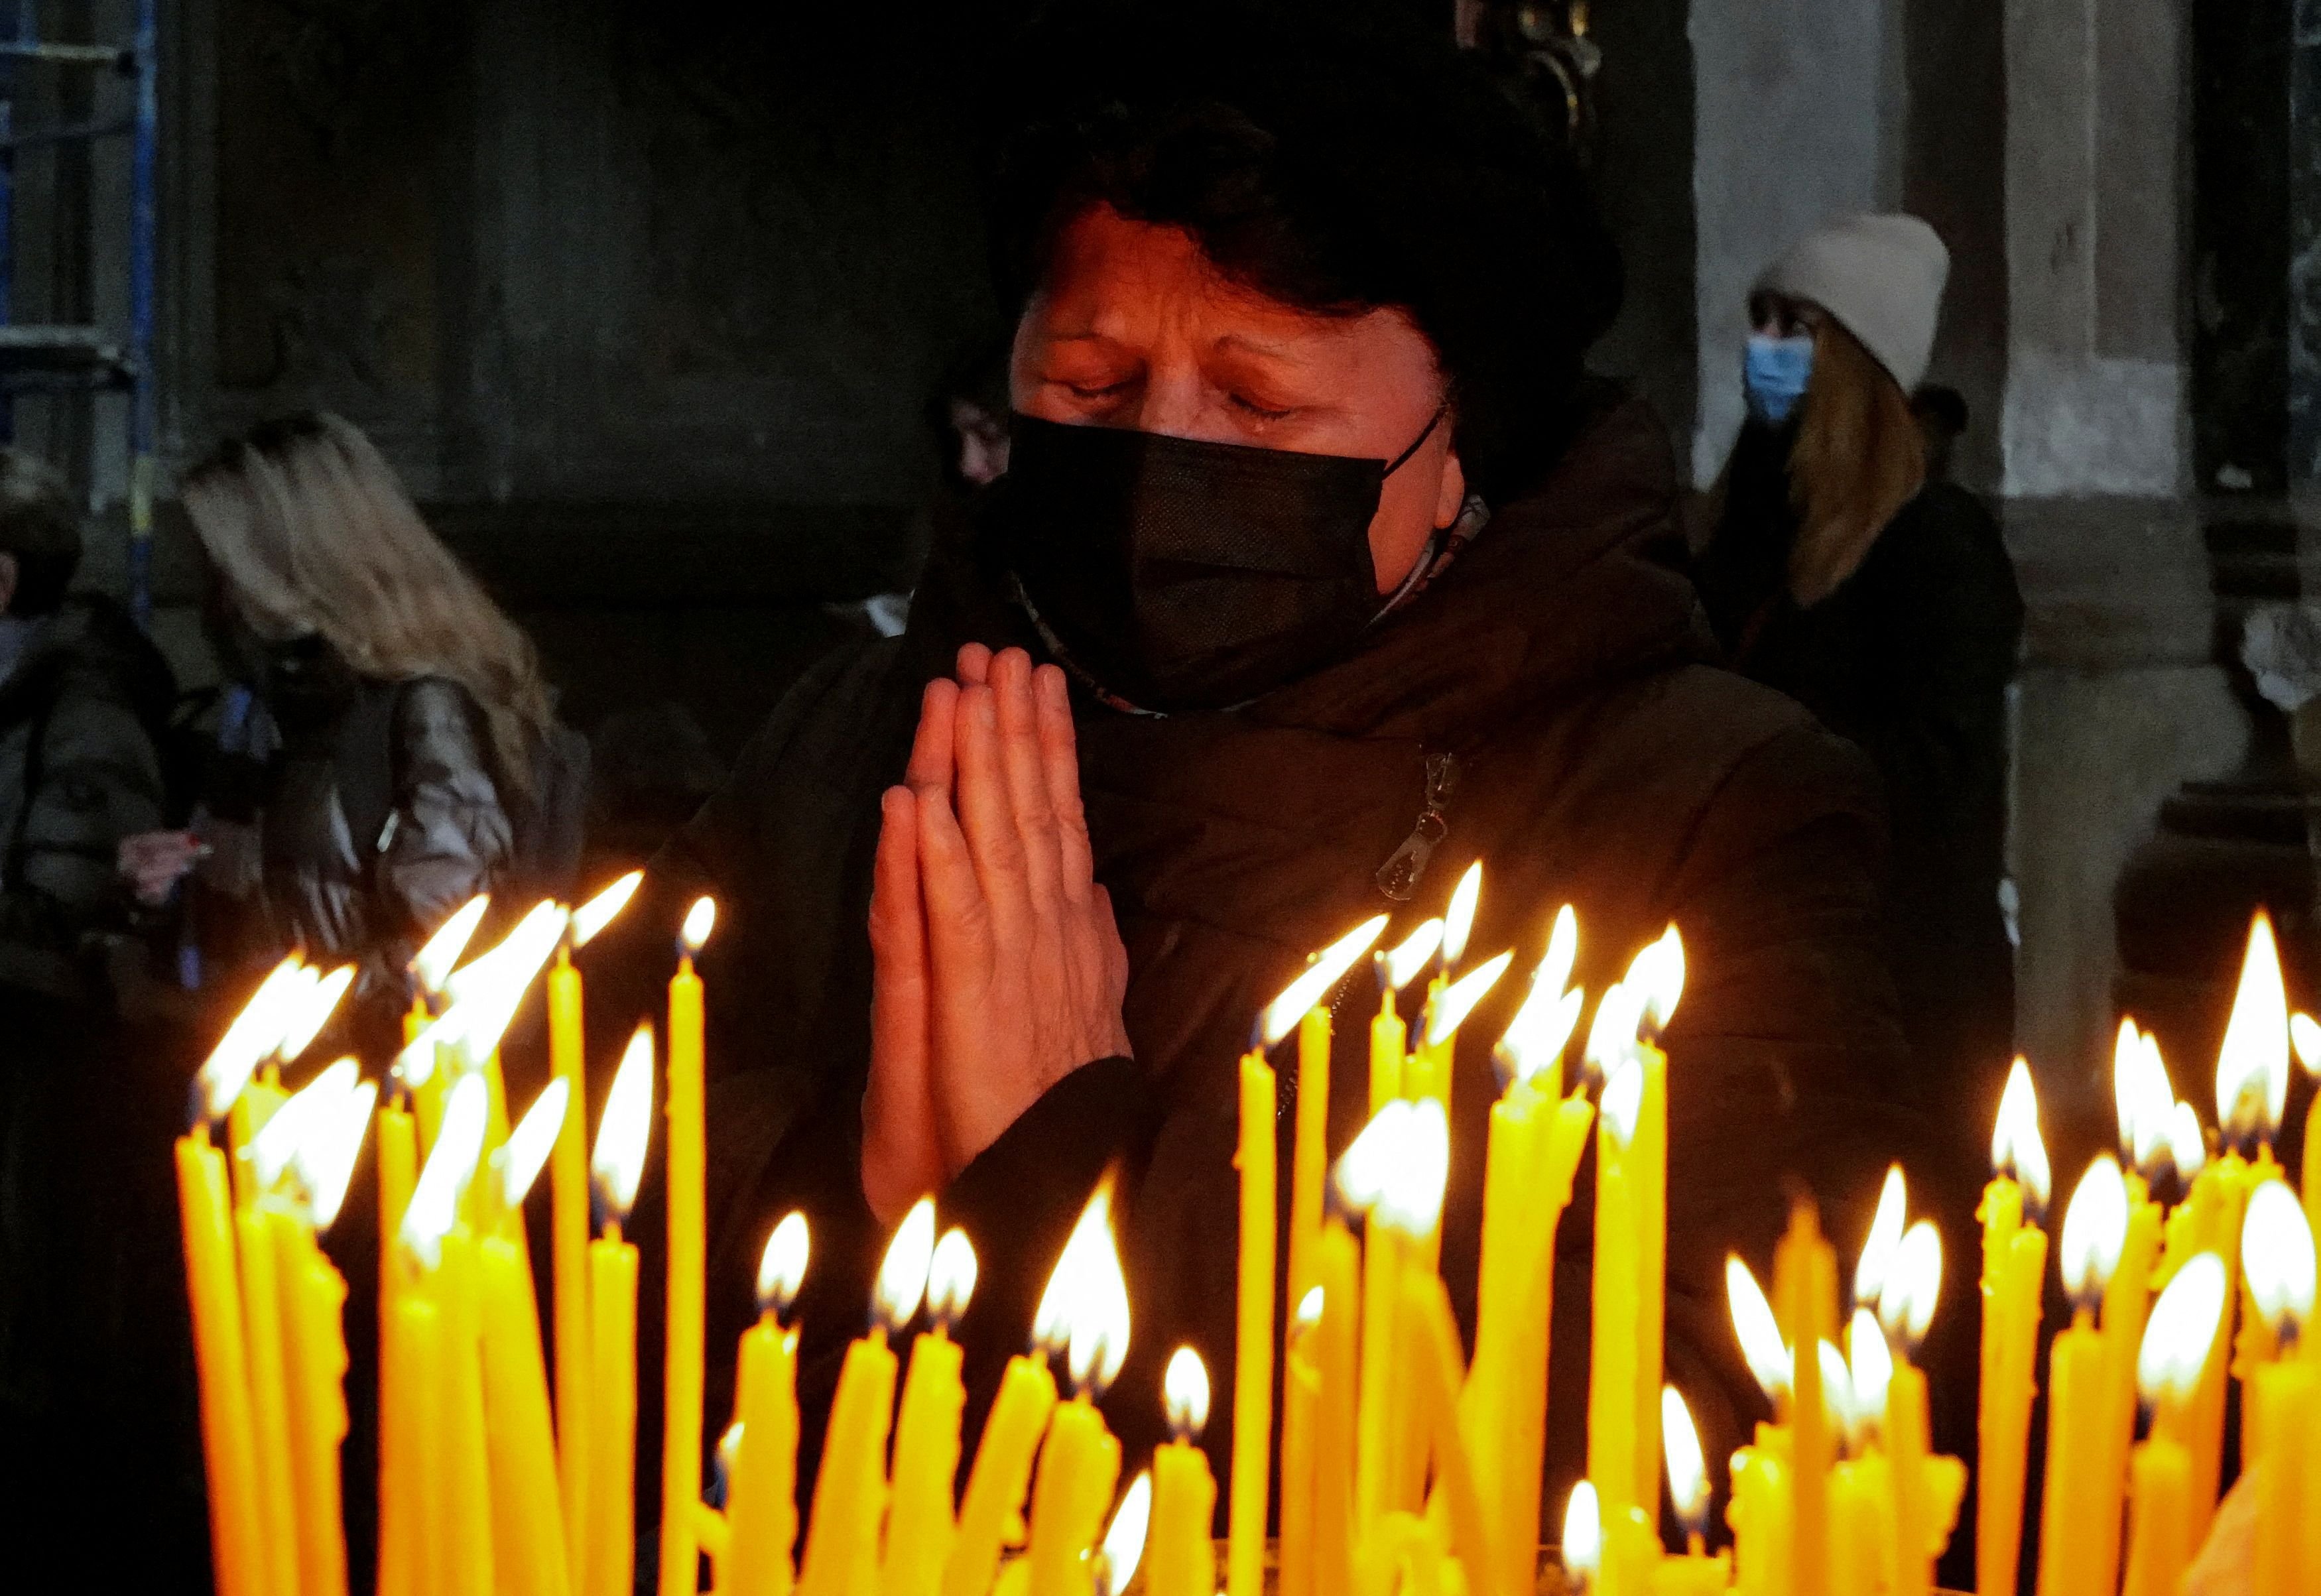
point(1579, 581)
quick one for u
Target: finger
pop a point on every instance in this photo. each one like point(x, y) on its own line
point(931, 761)
point(1027, 786)
point(1060, 763)
point(974, 664)
point(960, 959)
point(901, 1154)
point(986, 818)
point(1115, 956)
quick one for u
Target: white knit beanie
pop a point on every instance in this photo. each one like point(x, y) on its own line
point(1881, 276)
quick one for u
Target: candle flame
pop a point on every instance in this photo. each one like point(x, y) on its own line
point(2155, 1102)
point(275, 1148)
point(2095, 1228)
point(1756, 1328)
point(2304, 1039)
point(1583, 1534)
point(2181, 1330)
point(597, 912)
point(1313, 984)
point(1619, 1013)
point(1624, 1101)
point(782, 1268)
point(1309, 1310)
point(2277, 1257)
point(1907, 1306)
point(1399, 965)
point(1657, 973)
point(1412, 1200)
point(1361, 1175)
point(1124, 1542)
point(530, 1143)
point(700, 920)
point(903, 1275)
point(2128, 1083)
point(1537, 1035)
point(1554, 971)
point(255, 1033)
point(2252, 1065)
point(432, 964)
point(1871, 1363)
point(1837, 1399)
point(1688, 1469)
point(1459, 920)
point(326, 1159)
point(1083, 1311)
point(486, 993)
point(1885, 1239)
point(434, 1204)
point(1185, 1392)
point(951, 1277)
point(312, 1010)
point(1458, 1000)
point(2016, 1149)
point(2188, 1143)
point(618, 1162)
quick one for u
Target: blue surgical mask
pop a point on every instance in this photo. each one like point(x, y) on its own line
point(1774, 374)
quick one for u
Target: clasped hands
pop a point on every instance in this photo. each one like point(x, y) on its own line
point(996, 968)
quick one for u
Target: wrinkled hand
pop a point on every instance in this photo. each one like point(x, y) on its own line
point(153, 862)
point(997, 969)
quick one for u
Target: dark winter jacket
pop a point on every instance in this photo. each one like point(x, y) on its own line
point(1560, 665)
point(1909, 661)
point(78, 772)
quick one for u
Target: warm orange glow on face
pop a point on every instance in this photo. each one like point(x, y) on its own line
point(1314, 981)
point(1085, 1309)
point(597, 912)
point(2252, 1065)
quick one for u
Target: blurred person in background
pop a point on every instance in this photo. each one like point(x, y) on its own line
point(1942, 415)
point(1847, 571)
point(392, 750)
point(83, 700)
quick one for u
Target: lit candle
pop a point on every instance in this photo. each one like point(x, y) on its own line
point(1085, 1306)
point(761, 1483)
point(526, 1495)
point(1804, 1296)
point(1183, 1561)
point(438, 957)
point(398, 1168)
point(2094, 1225)
point(2013, 1267)
point(2145, 1100)
point(1764, 1511)
point(680, 1446)
point(1396, 968)
point(1301, 1399)
point(1927, 1489)
point(2304, 1036)
point(1426, 1073)
point(568, 1177)
point(1304, 1004)
point(1125, 1540)
point(2177, 1339)
point(919, 1524)
point(850, 1494)
point(1360, 1182)
point(2284, 1395)
point(618, 1164)
point(1433, 1336)
point(1696, 1572)
point(993, 1500)
point(1339, 1267)
point(1582, 1541)
point(1446, 1011)
point(1253, 1333)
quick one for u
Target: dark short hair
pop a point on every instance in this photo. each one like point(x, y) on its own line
point(1339, 163)
point(39, 524)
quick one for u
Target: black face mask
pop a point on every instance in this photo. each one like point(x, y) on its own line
point(1179, 574)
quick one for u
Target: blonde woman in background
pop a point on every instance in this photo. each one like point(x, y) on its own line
point(390, 750)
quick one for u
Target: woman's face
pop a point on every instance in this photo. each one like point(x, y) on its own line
point(1777, 315)
point(1133, 329)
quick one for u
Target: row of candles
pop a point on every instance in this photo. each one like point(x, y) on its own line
point(1399, 1457)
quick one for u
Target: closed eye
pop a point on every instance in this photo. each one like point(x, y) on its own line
point(1251, 407)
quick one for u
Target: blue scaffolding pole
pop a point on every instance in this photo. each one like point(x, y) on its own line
point(63, 357)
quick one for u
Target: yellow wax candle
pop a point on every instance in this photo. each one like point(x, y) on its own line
point(1647, 1157)
point(1630, 1169)
point(2284, 1397)
point(1503, 1282)
point(569, 1236)
point(2223, 1202)
point(1301, 1396)
point(261, 1319)
point(1695, 1573)
point(2078, 1401)
point(1853, 1548)
point(527, 1504)
point(398, 1168)
point(761, 1483)
point(1384, 1263)
point(1079, 1463)
point(1337, 1266)
point(1002, 1472)
point(2160, 1536)
point(2126, 1300)
point(229, 1441)
point(315, 1368)
point(1431, 1338)
point(467, 1456)
point(1760, 1514)
point(1388, 1037)
point(1253, 1437)
point(2013, 1267)
point(2183, 1326)
point(1804, 1294)
point(920, 1523)
point(1917, 1540)
point(612, 1414)
point(1309, 1164)
point(417, 1558)
point(681, 1448)
point(1632, 1556)
point(850, 1494)
point(1182, 1559)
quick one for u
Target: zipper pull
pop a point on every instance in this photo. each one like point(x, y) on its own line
point(1399, 877)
